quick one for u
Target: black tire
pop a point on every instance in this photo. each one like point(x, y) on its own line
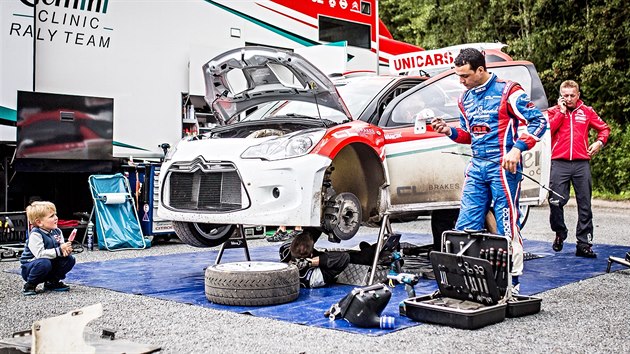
point(202, 235)
point(524, 209)
point(409, 217)
point(252, 283)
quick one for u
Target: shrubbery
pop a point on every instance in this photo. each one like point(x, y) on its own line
point(611, 167)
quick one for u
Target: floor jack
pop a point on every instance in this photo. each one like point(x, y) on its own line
point(43, 337)
point(624, 262)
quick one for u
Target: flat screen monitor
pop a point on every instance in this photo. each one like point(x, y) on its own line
point(64, 127)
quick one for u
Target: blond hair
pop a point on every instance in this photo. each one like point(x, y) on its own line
point(39, 210)
point(570, 84)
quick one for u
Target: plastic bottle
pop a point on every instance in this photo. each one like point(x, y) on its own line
point(90, 236)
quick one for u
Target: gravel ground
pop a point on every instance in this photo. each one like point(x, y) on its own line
point(589, 316)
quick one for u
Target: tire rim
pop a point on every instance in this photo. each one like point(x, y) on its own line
point(211, 231)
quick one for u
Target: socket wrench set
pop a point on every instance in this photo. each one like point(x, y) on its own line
point(473, 276)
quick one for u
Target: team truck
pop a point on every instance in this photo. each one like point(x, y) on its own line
point(115, 80)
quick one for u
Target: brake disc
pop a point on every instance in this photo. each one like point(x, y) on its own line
point(346, 220)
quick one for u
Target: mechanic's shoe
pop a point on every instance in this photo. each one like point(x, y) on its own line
point(585, 251)
point(29, 289)
point(628, 256)
point(293, 233)
point(56, 286)
point(278, 236)
point(558, 243)
point(516, 289)
point(285, 252)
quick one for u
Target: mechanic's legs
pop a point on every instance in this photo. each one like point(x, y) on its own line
point(332, 264)
point(582, 184)
point(475, 199)
point(506, 189)
point(559, 180)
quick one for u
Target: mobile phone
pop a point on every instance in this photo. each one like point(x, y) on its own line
point(73, 234)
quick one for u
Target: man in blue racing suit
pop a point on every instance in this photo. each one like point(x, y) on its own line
point(490, 113)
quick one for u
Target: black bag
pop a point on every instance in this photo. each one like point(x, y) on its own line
point(362, 306)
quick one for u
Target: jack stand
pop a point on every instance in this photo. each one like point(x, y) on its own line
point(382, 237)
point(237, 242)
point(621, 261)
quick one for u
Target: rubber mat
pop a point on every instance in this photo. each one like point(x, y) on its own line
point(180, 278)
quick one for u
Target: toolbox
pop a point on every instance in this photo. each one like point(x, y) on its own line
point(473, 277)
point(13, 234)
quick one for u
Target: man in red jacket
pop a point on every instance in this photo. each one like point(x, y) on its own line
point(570, 122)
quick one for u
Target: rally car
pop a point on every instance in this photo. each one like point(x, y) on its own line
point(324, 155)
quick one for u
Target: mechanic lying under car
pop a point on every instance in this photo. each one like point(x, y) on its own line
point(321, 268)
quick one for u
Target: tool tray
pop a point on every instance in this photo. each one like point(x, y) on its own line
point(473, 274)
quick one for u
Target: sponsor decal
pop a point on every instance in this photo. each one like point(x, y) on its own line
point(72, 22)
point(480, 129)
point(406, 191)
point(433, 59)
point(393, 136)
point(367, 131)
point(444, 187)
point(507, 226)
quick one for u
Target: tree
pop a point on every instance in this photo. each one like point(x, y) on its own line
point(587, 41)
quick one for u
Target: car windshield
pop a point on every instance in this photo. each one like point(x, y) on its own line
point(356, 93)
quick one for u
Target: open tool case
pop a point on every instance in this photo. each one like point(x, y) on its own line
point(473, 274)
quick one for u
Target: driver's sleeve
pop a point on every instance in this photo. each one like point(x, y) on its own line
point(526, 111)
point(461, 135)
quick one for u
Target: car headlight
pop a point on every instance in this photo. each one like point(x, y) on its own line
point(285, 147)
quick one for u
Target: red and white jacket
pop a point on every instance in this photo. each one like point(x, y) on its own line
point(569, 131)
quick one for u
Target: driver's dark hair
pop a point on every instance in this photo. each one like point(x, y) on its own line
point(302, 246)
point(471, 56)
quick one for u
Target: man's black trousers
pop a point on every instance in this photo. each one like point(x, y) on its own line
point(577, 173)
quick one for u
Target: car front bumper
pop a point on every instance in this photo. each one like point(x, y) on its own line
point(244, 191)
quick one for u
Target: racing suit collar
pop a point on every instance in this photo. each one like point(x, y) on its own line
point(483, 87)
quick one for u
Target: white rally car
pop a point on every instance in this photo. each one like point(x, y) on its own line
point(326, 156)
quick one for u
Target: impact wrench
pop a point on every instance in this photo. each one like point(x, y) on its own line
point(410, 280)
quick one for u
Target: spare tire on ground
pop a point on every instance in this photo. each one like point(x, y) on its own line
point(252, 283)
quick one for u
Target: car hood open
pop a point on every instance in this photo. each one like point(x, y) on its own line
point(243, 78)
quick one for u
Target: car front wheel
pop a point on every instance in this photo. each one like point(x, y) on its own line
point(202, 235)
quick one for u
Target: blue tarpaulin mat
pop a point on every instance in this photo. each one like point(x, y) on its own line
point(180, 278)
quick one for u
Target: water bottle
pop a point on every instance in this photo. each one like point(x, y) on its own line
point(387, 322)
point(90, 236)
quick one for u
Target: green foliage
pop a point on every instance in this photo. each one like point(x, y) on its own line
point(586, 41)
point(611, 167)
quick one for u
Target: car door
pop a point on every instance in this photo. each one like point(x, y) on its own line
point(425, 169)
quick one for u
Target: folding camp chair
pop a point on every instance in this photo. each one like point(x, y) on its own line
point(116, 220)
